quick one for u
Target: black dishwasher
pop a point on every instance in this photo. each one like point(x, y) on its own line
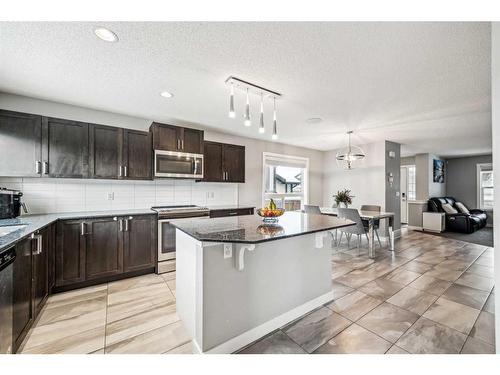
point(7, 257)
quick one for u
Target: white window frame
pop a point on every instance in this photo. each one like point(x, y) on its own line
point(305, 182)
point(479, 169)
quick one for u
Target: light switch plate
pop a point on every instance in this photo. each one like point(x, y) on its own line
point(111, 196)
point(228, 250)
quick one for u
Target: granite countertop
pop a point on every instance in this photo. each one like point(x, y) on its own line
point(37, 222)
point(251, 228)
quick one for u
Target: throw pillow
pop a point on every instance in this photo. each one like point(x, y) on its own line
point(461, 207)
point(448, 209)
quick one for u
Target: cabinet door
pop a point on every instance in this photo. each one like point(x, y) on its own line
point(70, 252)
point(192, 141)
point(212, 162)
point(40, 269)
point(166, 137)
point(105, 151)
point(140, 241)
point(22, 295)
point(234, 163)
point(137, 154)
point(104, 254)
point(20, 144)
point(65, 148)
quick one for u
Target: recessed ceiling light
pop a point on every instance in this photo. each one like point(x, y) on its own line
point(314, 120)
point(105, 34)
point(166, 94)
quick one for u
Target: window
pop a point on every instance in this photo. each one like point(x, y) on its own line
point(412, 185)
point(485, 186)
point(285, 180)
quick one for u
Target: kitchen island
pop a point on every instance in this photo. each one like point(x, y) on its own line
point(239, 279)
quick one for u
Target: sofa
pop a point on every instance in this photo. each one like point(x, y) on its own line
point(459, 222)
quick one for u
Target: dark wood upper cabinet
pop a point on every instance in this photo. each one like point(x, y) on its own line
point(212, 162)
point(70, 252)
point(223, 162)
point(139, 243)
point(103, 252)
point(234, 163)
point(105, 151)
point(65, 150)
point(23, 292)
point(137, 154)
point(20, 144)
point(192, 141)
point(165, 137)
point(175, 138)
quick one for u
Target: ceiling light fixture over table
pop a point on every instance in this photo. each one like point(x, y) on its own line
point(349, 154)
point(251, 88)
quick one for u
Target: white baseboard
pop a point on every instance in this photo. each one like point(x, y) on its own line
point(256, 333)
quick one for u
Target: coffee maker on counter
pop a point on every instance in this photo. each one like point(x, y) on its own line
point(10, 203)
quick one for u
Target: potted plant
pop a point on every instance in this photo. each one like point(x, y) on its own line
point(344, 197)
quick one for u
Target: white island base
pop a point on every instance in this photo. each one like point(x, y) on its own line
point(231, 294)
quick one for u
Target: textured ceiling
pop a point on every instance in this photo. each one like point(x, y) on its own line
point(425, 85)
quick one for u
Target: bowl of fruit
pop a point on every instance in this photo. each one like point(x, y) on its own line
point(270, 213)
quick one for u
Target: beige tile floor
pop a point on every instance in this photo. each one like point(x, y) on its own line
point(433, 295)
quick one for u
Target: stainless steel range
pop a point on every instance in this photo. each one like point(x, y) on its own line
point(166, 232)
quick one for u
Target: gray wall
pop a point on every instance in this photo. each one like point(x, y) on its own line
point(461, 174)
point(393, 165)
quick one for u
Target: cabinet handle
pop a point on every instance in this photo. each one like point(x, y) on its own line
point(120, 168)
point(120, 225)
point(38, 167)
point(45, 167)
point(182, 144)
point(82, 228)
point(125, 172)
point(233, 213)
point(37, 237)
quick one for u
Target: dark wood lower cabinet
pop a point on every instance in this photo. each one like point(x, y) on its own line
point(70, 252)
point(139, 243)
point(31, 281)
point(41, 251)
point(23, 292)
point(103, 253)
point(91, 251)
point(233, 212)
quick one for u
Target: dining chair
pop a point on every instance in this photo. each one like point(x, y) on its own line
point(358, 228)
point(311, 209)
point(376, 222)
point(315, 210)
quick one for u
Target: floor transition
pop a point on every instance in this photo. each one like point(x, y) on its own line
point(434, 295)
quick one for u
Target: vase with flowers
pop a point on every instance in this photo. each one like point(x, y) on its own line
point(343, 197)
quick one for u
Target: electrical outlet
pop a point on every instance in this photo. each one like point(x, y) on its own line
point(228, 250)
point(111, 196)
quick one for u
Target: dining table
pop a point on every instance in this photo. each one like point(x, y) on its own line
point(370, 217)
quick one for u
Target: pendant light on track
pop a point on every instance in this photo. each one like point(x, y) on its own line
point(256, 90)
point(262, 129)
point(275, 127)
point(247, 121)
point(232, 113)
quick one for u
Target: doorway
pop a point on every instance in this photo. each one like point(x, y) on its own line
point(408, 190)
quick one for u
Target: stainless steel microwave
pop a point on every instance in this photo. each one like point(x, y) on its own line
point(178, 164)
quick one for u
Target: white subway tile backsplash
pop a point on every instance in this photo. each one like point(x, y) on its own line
point(67, 195)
